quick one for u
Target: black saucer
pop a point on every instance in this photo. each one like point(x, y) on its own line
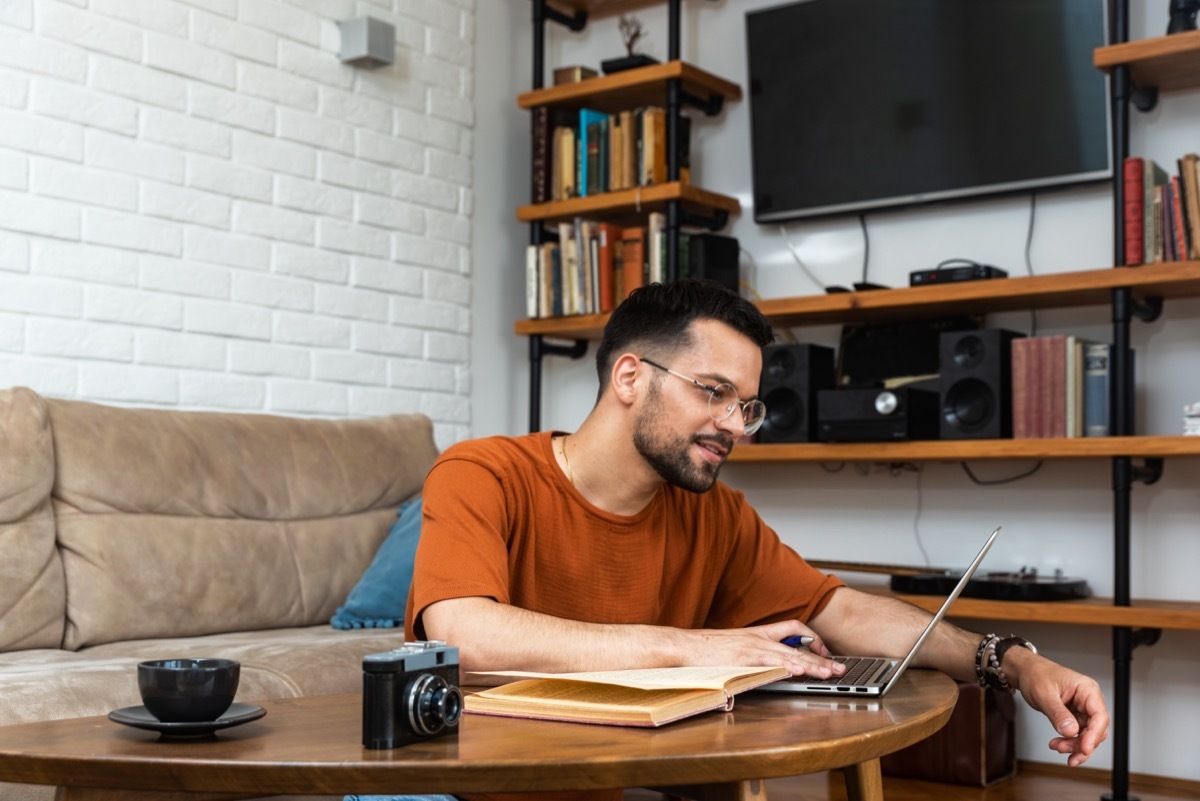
point(140, 718)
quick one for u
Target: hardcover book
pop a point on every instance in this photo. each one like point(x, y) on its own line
point(1154, 177)
point(633, 259)
point(1189, 177)
point(650, 697)
point(1097, 386)
point(544, 122)
point(1134, 217)
point(593, 138)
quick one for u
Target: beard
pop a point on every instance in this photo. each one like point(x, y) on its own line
point(669, 455)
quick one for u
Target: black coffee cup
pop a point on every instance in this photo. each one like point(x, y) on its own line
point(188, 690)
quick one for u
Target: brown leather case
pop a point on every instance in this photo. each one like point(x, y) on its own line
point(976, 748)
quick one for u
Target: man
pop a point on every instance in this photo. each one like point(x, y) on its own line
point(616, 547)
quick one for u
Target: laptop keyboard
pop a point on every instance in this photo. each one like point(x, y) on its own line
point(858, 669)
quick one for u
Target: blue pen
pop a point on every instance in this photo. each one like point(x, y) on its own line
point(799, 641)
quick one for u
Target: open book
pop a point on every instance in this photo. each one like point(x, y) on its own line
point(650, 697)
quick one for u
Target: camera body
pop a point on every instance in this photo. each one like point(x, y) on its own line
point(410, 694)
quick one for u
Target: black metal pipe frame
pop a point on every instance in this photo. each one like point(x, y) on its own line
point(537, 81)
point(674, 105)
point(1122, 419)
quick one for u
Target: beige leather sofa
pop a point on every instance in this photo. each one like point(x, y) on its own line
point(130, 534)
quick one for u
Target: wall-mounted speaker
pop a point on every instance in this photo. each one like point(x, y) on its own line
point(791, 377)
point(976, 384)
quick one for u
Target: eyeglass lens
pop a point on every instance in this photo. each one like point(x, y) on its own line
point(724, 401)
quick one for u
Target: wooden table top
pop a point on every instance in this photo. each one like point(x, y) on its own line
point(313, 746)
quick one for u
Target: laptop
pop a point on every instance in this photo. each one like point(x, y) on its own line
point(874, 676)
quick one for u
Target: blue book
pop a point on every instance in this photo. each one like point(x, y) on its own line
point(1097, 386)
point(593, 128)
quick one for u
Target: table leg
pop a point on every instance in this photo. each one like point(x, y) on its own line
point(864, 781)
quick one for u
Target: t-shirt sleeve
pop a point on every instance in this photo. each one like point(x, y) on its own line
point(463, 549)
point(765, 580)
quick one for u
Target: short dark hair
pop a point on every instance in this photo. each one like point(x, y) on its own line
point(656, 317)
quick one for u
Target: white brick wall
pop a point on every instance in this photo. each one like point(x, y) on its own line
point(201, 207)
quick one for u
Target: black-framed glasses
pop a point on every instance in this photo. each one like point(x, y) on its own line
point(723, 401)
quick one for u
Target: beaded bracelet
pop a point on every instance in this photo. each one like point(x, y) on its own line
point(988, 658)
point(985, 654)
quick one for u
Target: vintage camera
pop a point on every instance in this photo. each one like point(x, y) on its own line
point(410, 694)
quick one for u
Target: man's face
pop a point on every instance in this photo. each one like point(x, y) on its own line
point(673, 430)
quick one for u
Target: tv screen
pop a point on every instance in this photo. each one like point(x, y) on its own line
point(859, 105)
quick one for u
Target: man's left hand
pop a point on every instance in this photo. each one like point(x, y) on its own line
point(1073, 702)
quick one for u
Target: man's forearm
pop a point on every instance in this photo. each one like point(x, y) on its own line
point(859, 623)
point(495, 636)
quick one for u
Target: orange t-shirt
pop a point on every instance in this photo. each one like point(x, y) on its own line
point(500, 520)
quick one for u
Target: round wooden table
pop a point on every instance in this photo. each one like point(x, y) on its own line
point(313, 746)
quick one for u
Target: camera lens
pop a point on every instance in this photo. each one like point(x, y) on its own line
point(433, 704)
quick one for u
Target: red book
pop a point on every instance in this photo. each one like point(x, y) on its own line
point(1135, 243)
point(1053, 369)
point(1023, 393)
point(609, 241)
point(1178, 220)
point(633, 259)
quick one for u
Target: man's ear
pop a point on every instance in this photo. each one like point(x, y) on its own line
point(624, 377)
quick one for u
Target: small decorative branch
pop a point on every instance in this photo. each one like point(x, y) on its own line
point(631, 32)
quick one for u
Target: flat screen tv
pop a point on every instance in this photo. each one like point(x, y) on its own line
point(861, 105)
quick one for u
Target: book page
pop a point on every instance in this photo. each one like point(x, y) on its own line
point(714, 678)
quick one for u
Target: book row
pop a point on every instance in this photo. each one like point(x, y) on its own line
point(594, 265)
point(1061, 387)
point(1162, 210)
point(581, 152)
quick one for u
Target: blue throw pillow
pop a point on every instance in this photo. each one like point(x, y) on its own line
point(379, 598)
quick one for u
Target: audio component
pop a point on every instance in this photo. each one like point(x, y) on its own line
point(714, 257)
point(791, 377)
point(949, 275)
point(876, 414)
point(976, 384)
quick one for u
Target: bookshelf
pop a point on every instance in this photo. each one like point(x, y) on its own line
point(1140, 613)
point(1138, 70)
point(1062, 290)
point(670, 85)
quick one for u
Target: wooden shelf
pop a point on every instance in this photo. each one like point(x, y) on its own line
point(1166, 62)
point(630, 205)
point(1061, 290)
point(970, 450)
point(1179, 615)
point(644, 86)
point(602, 8)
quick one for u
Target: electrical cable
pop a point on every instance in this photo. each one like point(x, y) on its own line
point(799, 261)
point(1028, 259)
point(993, 482)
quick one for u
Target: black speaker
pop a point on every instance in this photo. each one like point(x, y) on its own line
point(976, 384)
point(714, 257)
point(791, 376)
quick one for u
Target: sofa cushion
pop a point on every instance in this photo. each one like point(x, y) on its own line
point(32, 592)
point(379, 598)
point(186, 523)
